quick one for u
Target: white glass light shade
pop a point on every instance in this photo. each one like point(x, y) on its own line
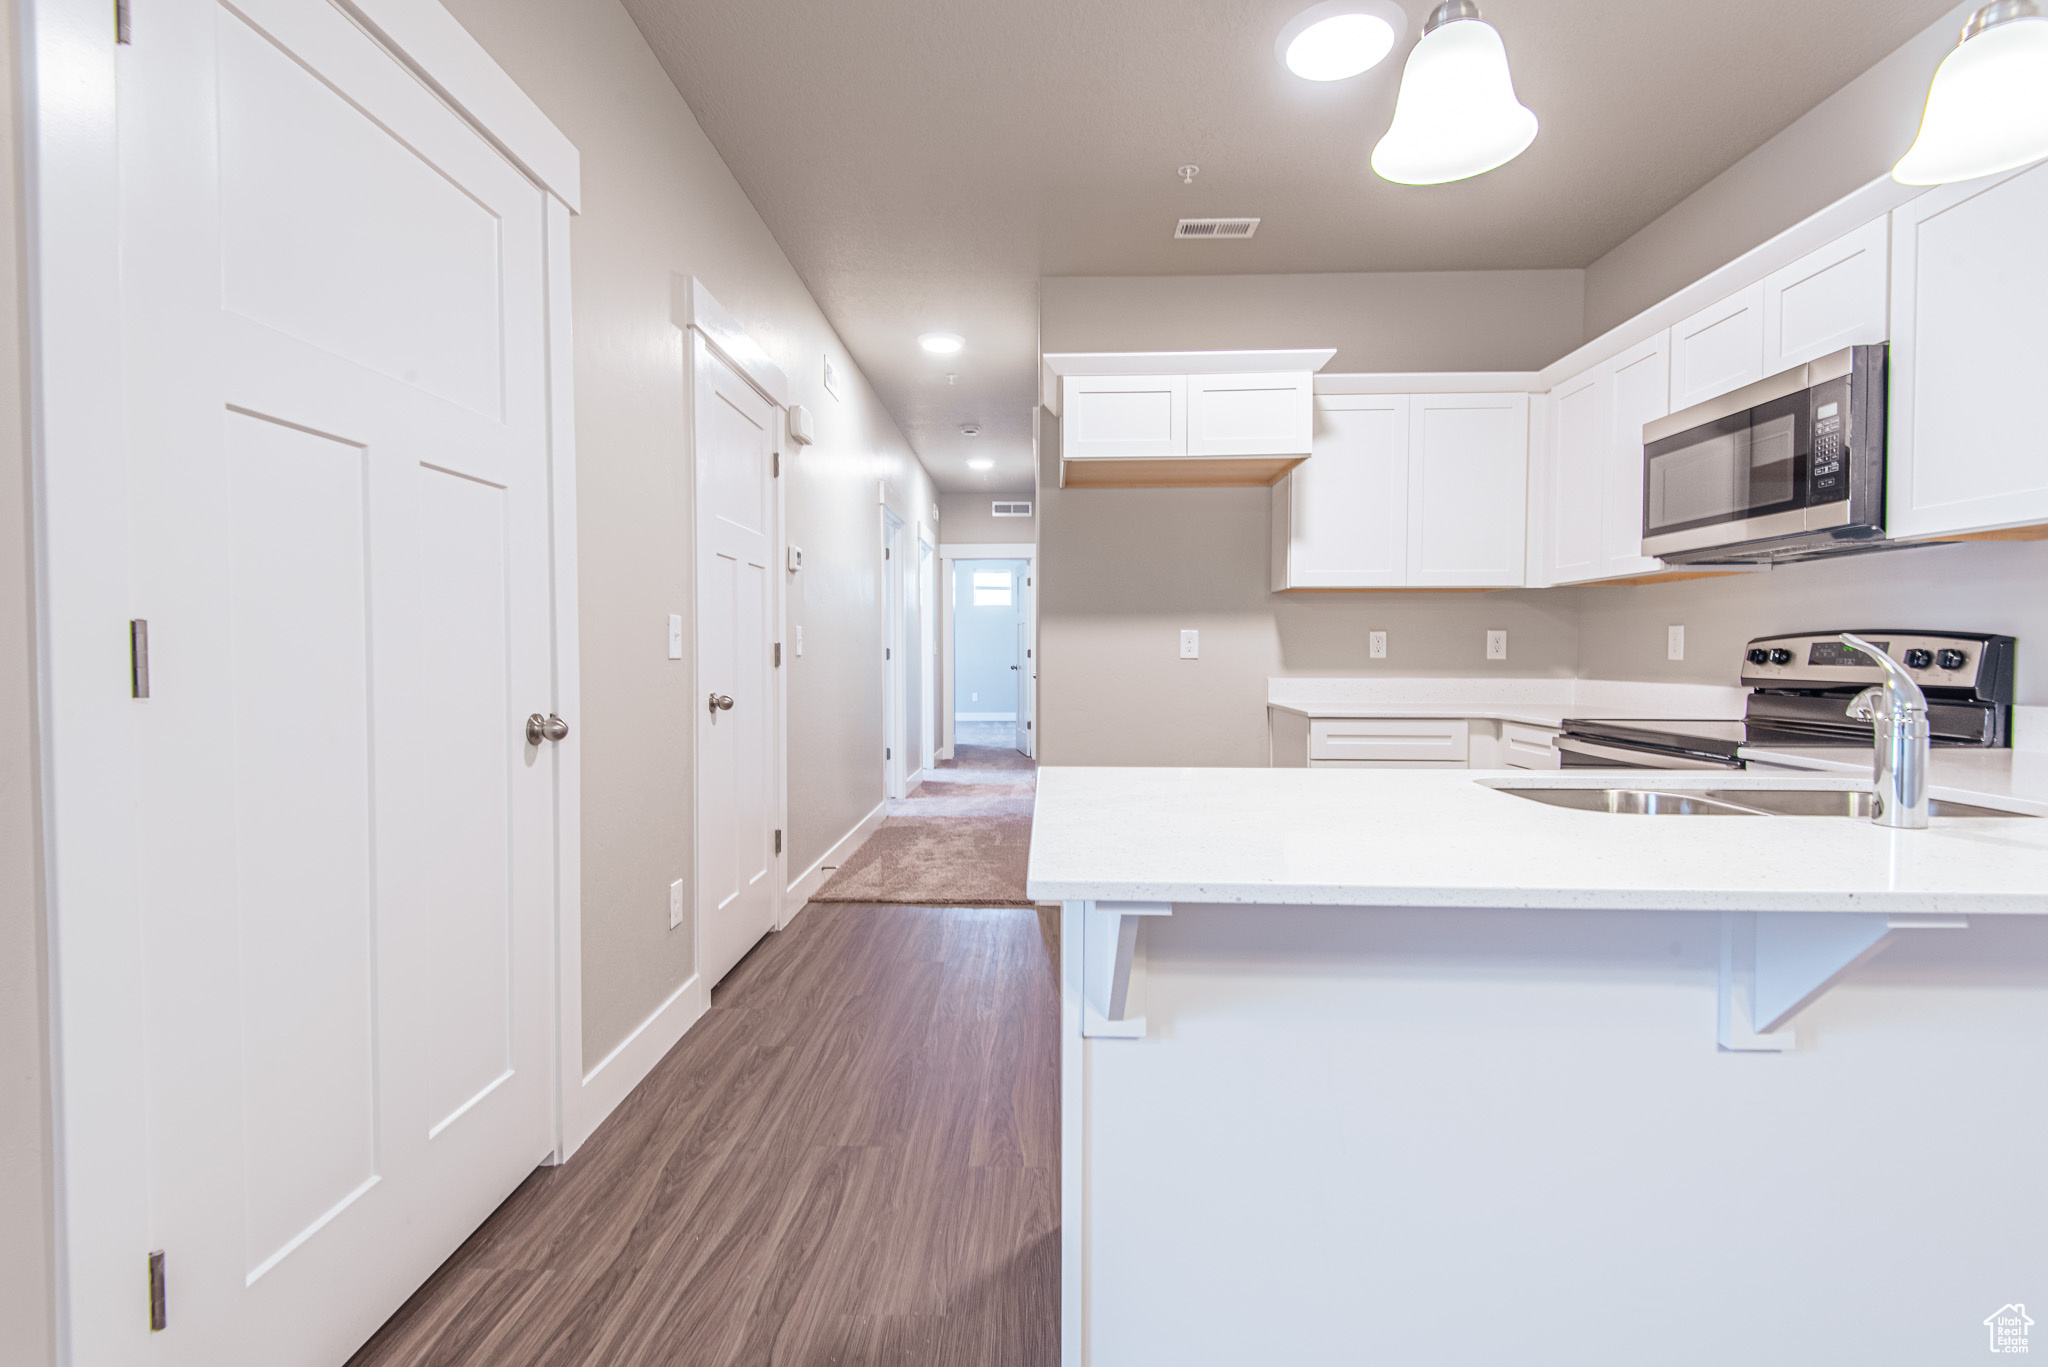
point(1339, 48)
point(941, 343)
point(1457, 115)
point(981, 465)
point(1987, 110)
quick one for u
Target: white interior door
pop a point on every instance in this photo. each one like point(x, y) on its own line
point(1018, 665)
point(928, 650)
point(893, 673)
point(334, 370)
point(736, 858)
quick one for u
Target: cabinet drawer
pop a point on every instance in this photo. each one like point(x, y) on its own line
point(1371, 738)
point(1528, 747)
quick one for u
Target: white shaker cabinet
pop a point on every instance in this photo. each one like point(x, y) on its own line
point(1828, 299)
point(1581, 430)
point(1124, 417)
point(1969, 352)
point(1718, 349)
point(1468, 490)
point(1340, 519)
point(1642, 394)
point(1250, 415)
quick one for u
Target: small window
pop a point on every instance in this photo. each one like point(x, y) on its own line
point(991, 589)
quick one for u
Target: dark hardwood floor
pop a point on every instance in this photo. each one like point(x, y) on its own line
point(853, 1158)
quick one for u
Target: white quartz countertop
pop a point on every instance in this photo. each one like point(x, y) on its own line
point(1448, 838)
point(2016, 779)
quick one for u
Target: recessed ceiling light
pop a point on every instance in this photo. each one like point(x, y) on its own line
point(981, 465)
point(942, 343)
point(1339, 39)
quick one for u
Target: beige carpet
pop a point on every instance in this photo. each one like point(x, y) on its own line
point(988, 757)
point(963, 839)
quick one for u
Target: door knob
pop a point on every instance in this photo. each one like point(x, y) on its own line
point(539, 728)
point(721, 702)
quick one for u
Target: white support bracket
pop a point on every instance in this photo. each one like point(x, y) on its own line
point(1111, 1008)
point(1775, 964)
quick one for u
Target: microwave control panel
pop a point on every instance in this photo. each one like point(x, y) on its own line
point(1827, 473)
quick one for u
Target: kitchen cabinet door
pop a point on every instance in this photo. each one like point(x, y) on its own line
point(1580, 435)
point(1341, 517)
point(1829, 299)
point(1718, 349)
point(1251, 415)
point(1468, 489)
point(1640, 383)
point(1969, 295)
point(1123, 417)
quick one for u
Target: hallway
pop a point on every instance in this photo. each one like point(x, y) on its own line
point(851, 1161)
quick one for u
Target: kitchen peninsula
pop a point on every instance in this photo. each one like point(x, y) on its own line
point(1366, 1066)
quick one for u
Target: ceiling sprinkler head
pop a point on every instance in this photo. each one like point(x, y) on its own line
point(969, 430)
point(1188, 173)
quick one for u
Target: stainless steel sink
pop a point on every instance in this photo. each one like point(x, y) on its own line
point(1633, 801)
point(1837, 802)
point(1731, 802)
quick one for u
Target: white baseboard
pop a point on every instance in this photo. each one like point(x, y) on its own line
point(628, 1065)
point(814, 877)
point(984, 716)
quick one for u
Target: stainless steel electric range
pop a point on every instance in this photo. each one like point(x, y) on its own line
point(1800, 687)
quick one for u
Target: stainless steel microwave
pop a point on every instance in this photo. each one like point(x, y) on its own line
point(1789, 468)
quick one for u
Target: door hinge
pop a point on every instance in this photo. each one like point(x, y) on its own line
point(778, 842)
point(886, 753)
point(157, 1316)
point(122, 33)
point(885, 552)
point(1027, 726)
point(885, 652)
point(778, 654)
point(138, 658)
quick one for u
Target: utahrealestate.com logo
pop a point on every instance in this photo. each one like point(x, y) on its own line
point(2008, 1325)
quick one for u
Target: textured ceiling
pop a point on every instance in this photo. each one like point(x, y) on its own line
point(924, 162)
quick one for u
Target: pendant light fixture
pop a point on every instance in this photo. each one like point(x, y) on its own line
point(1457, 115)
point(1987, 109)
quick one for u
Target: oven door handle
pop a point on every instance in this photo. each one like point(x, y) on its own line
point(1630, 757)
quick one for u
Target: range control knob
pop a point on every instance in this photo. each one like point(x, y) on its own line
point(1917, 658)
point(1951, 659)
point(1781, 656)
point(1759, 656)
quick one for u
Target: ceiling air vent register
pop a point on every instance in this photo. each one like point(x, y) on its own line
point(1216, 227)
point(1010, 509)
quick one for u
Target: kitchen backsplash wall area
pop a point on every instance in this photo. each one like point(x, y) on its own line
point(1988, 586)
point(1125, 571)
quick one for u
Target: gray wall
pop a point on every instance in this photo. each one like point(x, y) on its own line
point(985, 640)
point(1847, 140)
point(964, 519)
point(25, 1207)
point(658, 202)
point(1971, 586)
point(1123, 571)
point(1421, 320)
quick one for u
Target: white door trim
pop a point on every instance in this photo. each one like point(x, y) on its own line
point(87, 759)
point(894, 675)
point(1027, 551)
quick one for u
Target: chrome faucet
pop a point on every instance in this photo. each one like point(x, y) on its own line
point(1897, 712)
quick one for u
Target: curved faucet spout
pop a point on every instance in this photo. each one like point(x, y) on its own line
point(1902, 733)
point(1902, 694)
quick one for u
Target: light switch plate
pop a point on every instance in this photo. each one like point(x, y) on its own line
point(796, 558)
point(1376, 645)
point(1674, 643)
point(1191, 645)
point(675, 904)
point(675, 636)
point(799, 640)
point(1496, 645)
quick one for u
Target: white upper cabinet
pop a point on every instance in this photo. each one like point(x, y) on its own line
point(1124, 417)
point(1581, 431)
point(1340, 520)
point(1718, 349)
point(1829, 299)
point(1642, 394)
point(1468, 489)
point(1969, 350)
point(1250, 415)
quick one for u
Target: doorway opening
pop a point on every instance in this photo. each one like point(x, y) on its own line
point(992, 655)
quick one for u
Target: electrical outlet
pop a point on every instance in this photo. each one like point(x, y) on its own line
point(1496, 645)
point(1376, 645)
point(675, 904)
point(675, 636)
point(1674, 643)
point(1191, 645)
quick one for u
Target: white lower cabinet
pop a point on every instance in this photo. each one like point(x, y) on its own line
point(1528, 747)
point(1388, 740)
point(1407, 490)
point(1969, 293)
